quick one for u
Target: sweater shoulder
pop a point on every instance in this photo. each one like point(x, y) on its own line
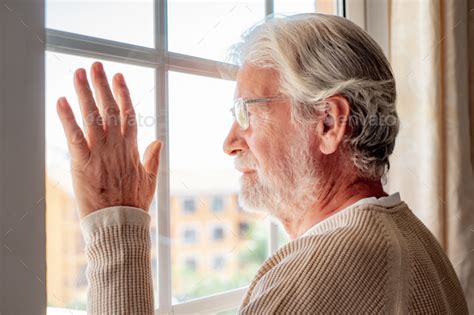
point(362, 230)
point(351, 257)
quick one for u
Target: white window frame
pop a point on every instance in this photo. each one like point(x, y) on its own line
point(22, 78)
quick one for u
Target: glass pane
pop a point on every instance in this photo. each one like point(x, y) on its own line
point(283, 237)
point(129, 21)
point(65, 246)
point(304, 6)
point(208, 28)
point(216, 246)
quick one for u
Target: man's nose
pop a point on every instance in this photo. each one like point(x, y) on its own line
point(234, 143)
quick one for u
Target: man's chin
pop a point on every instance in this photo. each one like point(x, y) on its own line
point(251, 195)
point(250, 200)
point(247, 205)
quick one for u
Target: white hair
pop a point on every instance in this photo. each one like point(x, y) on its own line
point(318, 56)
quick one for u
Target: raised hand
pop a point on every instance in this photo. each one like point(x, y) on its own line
point(105, 163)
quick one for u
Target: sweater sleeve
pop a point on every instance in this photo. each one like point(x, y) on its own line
point(118, 261)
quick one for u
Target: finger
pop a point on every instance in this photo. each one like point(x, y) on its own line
point(90, 113)
point(107, 105)
point(151, 159)
point(77, 143)
point(127, 112)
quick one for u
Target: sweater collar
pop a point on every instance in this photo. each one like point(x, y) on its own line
point(386, 202)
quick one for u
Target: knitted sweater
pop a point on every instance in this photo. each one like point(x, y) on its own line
point(367, 259)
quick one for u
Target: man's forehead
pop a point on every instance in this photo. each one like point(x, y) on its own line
point(253, 81)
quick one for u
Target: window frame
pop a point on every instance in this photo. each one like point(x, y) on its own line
point(25, 263)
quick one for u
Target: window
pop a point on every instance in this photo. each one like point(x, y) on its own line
point(218, 262)
point(68, 15)
point(190, 235)
point(62, 223)
point(189, 206)
point(217, 204)
point(206, 29)
point(159, 60)
point(244, 228)
point(217, 233)
point(198, 125)
point(191, 264)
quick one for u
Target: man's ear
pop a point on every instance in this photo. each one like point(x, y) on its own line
point(332, 127)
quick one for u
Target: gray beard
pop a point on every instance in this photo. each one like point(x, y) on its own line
point(290, 189)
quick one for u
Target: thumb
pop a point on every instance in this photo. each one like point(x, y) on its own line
point(151, 159)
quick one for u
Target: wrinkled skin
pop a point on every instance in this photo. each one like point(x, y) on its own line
point(105, 163)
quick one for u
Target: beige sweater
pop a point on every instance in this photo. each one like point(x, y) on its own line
point(367, 259)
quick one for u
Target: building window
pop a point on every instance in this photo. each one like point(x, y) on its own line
point(190, 236)
point(217, 233)
point(189, 205)
point(190, 264)
point(244, 229)
point(217, 204)
point(218, 262)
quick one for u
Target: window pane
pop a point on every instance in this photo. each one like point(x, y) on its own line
point(129, 21)
point(208, 28)
point(65, 246)
point(283, 237)
point(303, 6)
point(227, 253)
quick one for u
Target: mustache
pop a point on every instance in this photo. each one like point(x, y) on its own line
point(245, 162)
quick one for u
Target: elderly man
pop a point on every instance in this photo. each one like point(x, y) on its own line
point(315, 123)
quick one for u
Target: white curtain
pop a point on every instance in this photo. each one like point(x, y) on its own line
point(432, 162)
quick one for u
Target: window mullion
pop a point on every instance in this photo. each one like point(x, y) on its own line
point(273, 227)
point(199, 66)
point(162, 132)
point(269, 7)
point(90, 47)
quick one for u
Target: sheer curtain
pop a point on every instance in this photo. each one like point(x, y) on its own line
point(432, 162)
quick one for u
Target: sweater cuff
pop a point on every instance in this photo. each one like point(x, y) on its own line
point(113, 216)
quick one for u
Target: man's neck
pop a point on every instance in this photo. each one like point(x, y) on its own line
point(334, 200)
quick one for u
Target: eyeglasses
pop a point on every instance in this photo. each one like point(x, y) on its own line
point(240, 108)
